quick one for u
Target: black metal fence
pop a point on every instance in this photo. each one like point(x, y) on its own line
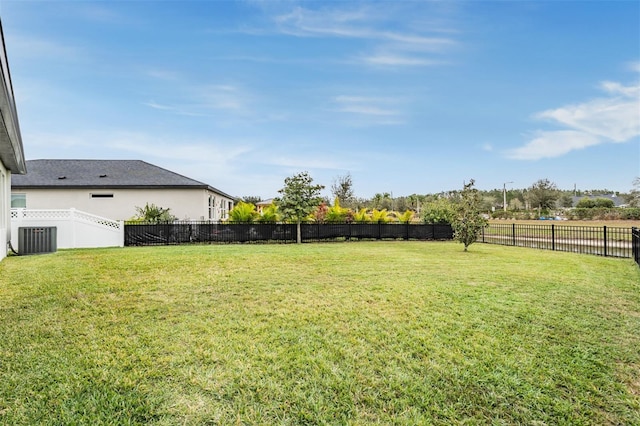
point(598, 240)
point(635, 243)
point(144, 234)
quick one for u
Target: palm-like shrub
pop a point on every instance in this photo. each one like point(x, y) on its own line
point(380, 216)
point(361, 216)
point(269, 214)
point(405, 217)
point(243, 213)
point(336, 213)
point(153, 213)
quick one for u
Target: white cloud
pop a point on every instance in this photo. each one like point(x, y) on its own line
point(365, 106)
point(305, 162)
point(553, 144)
point(207, 100)
point(397, 60)
point(402, 47)
point(615, 119)
point(618, 89)
point(635, 66)
point(154, 105)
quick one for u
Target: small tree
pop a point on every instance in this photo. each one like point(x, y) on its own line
point(153, 213)
point(299, 199)
point(467, 219)
point(342, 189)
point(634, 196)
point(565, 201)
point(543, 194)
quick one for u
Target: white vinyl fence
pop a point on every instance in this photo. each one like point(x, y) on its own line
point(75, 229)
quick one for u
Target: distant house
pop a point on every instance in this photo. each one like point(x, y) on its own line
point(114, 188)
point(11, 151)
point(261, 205)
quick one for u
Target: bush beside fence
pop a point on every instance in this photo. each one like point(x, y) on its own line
point(138, 234)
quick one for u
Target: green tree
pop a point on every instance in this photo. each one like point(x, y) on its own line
point(153, 213)
point(251, 199)
point(342, 189)
point(634, 196)
point(543, 194)
point(300, 197)
point(565, 201)
point(243, 213)
point(440, 210)
point(467, 219)
point(590, 203)
point(515, 204)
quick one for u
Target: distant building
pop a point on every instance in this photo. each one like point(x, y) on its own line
point(114, 188)
point(261, 205)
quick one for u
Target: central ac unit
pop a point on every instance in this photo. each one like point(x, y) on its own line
point(37, 239)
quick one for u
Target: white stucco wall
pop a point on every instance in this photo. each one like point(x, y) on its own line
point(185, 204)
point(5, 202)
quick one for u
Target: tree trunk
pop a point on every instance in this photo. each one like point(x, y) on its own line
point(298, 233)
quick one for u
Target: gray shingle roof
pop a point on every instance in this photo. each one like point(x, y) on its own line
point(102, 174)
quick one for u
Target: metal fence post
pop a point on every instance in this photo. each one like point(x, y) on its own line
point(635, 244)
point(605, 240)
point(553, 236)
point(513, 233)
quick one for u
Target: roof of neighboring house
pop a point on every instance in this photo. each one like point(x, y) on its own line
point(266, 202)
point(130, 174)
point(11, 150)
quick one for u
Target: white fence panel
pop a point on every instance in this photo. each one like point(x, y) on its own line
point(75, 229)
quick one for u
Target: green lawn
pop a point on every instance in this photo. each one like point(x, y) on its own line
point(341, 333)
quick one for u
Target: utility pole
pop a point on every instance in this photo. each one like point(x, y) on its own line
point(504, 196)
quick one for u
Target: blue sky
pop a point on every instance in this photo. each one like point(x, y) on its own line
point(406, 96)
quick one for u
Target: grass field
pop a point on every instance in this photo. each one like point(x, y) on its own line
point(341, 333)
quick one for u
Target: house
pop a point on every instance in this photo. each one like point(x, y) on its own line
point(11, 151)
point(261, 205)
point(115, 189)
